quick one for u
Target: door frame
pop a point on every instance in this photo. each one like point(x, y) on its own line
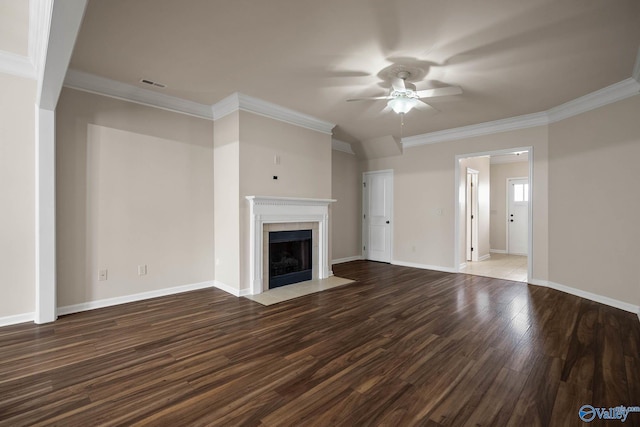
point(471, 208)
point(456, 244)
point(365, 211)
point(506, 218)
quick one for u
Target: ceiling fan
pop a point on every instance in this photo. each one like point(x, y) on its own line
point(403, 95)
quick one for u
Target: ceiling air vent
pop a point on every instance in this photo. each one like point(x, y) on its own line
point(152, 83)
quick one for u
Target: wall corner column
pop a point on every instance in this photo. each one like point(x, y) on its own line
point(46, 302)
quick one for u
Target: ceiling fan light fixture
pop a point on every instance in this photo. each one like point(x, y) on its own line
point(402, 105)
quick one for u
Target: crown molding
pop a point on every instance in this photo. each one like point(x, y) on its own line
point(338, 145)
point(16, 65)
point(238, 101)
point(100, 85)
point(487, 128)
point(40, 14)
point(608, 95)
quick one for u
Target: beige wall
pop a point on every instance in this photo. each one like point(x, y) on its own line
point(594, 233)
point(424, 186)
point(346, 183)
point(17, 192)
point(482, 165)
point(499, 175)
point(226, 207)
point(14, 26)
point(134, 186)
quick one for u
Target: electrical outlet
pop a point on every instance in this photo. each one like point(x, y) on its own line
point(142, 270)
point(102, 275)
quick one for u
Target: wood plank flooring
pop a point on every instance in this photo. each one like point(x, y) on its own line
point(399, 347)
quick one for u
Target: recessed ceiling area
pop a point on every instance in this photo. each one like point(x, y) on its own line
point(509, 58)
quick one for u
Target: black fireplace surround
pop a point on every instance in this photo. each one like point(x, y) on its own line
point(290, 258)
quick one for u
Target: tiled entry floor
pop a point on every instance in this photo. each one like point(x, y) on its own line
point(500, 266)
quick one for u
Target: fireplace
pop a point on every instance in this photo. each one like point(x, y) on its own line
point(268, 214)
point(290, 257)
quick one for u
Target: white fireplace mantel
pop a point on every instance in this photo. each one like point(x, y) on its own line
point(267, 210)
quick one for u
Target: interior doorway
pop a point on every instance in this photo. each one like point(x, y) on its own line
point(501, 218)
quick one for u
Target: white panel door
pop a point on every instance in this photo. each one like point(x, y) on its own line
point(377, 210)
point(518, 216)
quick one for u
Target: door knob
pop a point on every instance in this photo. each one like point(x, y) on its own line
point(511, 220)
point(387, 222)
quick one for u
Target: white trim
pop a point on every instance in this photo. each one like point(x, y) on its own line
point(338, 145)
point(230, 289)
point(16, 65)
point(462, 266)
point(114, 89)
point(484, 257)
point(636, 76)
point(15, 319)
point(497, 251)
point(347, 259)
point(487, 128)
point(588, 295)
point(108, 302)
point(608, 95)
point(64, 26)
point(239, 101)
point(40, 13)
point(45, 210)
point(424, 266)
point(268, 210)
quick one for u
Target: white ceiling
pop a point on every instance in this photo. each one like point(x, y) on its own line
point(509, 57)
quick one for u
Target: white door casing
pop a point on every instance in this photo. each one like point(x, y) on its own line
point(377, 209)
point(472, 214)
point(517, 215)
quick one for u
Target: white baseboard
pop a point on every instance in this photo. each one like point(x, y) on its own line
point(588, 295)
point(230, 289)
point(347, 259)
point(462, 266)
point(497, 251)
point(484, 257)
point(108, 302)
point(17, 318)
point(424, 266)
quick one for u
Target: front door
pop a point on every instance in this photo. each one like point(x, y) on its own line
point(377, 215)
point(518, 216)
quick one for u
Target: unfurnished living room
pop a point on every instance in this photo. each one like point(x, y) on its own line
point(328, 213)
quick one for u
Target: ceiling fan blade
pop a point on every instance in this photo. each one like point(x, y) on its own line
point(398, 84)
point(374, 98)
point(425, 107)
point(440, 91)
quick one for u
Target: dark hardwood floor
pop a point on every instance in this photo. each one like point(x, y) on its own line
point(399, 347)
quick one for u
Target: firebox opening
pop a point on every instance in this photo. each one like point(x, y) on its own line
point(290, 259)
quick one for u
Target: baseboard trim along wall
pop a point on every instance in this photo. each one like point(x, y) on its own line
point(484, 257)
point(497, 251)
point(463, 265)
point(17, 318)
point(424, 266)
point(230, 289)
point(108, 302)
point(347, 259)
point(588, 295)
